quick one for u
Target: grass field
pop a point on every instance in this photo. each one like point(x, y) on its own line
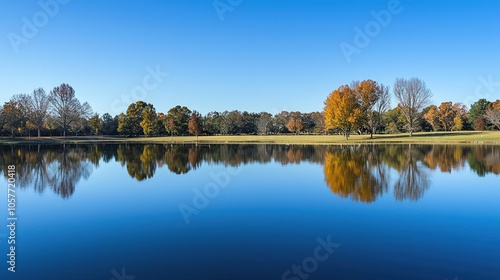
point(471, 137)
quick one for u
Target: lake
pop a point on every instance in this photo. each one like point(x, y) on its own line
point(145, 212)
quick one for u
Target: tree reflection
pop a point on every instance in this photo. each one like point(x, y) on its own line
point(354, 171)
point(484, 160)
point(178, 160)
point(67, 170)
point(58, 169)
point(445, 158)
point(413, 180)
point(358, 172)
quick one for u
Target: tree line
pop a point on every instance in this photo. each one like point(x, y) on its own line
point(40, 112)
point(363, 107)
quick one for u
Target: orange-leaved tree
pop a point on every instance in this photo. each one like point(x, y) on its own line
point(343, 110)
point(447, 116)
point(432, 117)
point(369, 94)
point(195, 123)
point(294, 125)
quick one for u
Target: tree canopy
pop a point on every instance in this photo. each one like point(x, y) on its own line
point(362, 107)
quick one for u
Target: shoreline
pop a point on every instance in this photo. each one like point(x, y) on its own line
point(470, 138)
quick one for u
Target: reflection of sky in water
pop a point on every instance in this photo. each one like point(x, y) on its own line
point(267, 219)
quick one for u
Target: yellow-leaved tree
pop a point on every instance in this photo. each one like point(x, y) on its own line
point(343, 110)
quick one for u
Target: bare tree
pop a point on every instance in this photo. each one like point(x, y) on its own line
point(69, 113)
point(413, 181)
point(493, 116)
point(263, 123)
point(383, 104)
point(38, 104)
point(412, 95)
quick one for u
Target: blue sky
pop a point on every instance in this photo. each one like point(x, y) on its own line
point(265, 55)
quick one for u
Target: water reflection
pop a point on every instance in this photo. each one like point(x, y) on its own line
point(356, 172)
point(56, 168)
point(361, 173)
point(413, 179)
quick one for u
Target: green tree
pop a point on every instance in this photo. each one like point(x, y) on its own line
point(235, 122)
point(395, 120)
point(14, 115)
point(177, 120)
point(225, 123)
point(124, 125)
point(477, 110)
point(109, 124)
point(149, 120)
point(248, 123)
point(280, 121)
point(134, 116)
point(95, 124)
point(160, 124)
point(211, 123)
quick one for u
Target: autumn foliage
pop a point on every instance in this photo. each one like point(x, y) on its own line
point(447, 116)
point(362, 107)
point(342, 110)
point(352, 107)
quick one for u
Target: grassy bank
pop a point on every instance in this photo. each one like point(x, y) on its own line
point(471, 137)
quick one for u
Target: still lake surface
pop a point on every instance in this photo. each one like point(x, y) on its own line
point(145, 212)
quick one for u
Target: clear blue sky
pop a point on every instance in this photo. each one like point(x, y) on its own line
point(265, 55)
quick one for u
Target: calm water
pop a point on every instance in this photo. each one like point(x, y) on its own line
point(142, 212)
